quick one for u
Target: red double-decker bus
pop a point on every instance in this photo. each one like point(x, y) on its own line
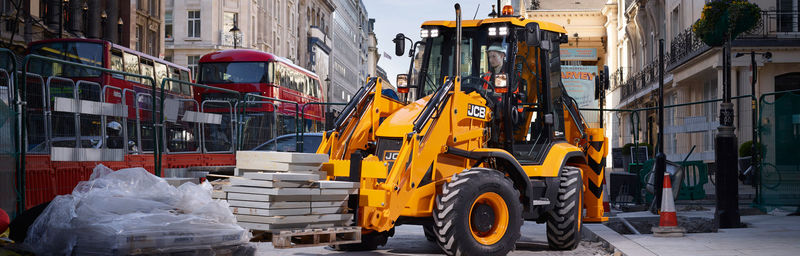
point(268, 77)
point(79, 117)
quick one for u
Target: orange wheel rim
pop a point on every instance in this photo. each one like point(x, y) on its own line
point(499, 223)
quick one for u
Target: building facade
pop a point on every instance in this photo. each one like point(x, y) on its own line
point(350, 50)
point(626, 36)
point(198, 27)
point(294, 29)
point(137, 24)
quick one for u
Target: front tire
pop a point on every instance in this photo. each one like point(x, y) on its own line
point(564, 223)
point(478, 213)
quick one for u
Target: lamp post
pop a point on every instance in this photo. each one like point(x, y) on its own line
point(235, 31)
point(754, 156)
point(61, 18)
point(103, 18)
point(120, 22)
point(85, 24)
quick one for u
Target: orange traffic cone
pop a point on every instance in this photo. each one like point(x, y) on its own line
point(668, 221)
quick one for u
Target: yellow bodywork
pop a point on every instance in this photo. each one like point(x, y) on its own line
point(358, 131)
point(388, 191)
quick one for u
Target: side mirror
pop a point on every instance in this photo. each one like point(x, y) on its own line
point(606, 78)
point(532, 34)
point(399, 44)
point(548, 119)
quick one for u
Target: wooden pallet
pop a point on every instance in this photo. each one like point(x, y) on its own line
point(284, 239)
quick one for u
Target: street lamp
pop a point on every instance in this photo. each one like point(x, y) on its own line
point(235, 31)
point(103, 18)
point(85, 25)
point(119, 29)
point(61, 18)
point(754, 69)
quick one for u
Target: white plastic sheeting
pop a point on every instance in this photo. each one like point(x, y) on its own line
point(131, 211)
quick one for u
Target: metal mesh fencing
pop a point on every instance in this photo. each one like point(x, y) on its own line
point(779, 129)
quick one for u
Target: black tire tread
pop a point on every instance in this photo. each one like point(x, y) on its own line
point(563, 230)
point(444, 214)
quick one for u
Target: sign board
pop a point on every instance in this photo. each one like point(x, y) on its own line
point(639, 154)
point(618, 159)
point(588, 54)
point(579, 83)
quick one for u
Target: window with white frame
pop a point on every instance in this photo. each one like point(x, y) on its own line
point(191, 62)
point(138, 43)
point(168, 25)
point(194, 24)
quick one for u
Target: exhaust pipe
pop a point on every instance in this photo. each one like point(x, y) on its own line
point(458, 40)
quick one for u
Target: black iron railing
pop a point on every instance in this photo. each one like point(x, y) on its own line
point(640, 80)
point(776, 24)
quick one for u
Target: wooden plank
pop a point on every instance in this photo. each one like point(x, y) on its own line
point(336, 184)
point(314, 237)
point(268, 198)
point(281, 176)
point(283, 157)
point(272, 212)
point(272, 191)
point(268, 205)
point(269, 183)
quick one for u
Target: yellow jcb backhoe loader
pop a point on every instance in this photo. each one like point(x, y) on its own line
point(490, 140)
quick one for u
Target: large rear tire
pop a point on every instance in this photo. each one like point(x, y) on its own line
point(478, 213)
point(564, 222)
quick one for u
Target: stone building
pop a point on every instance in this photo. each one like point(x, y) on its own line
point(626, 35)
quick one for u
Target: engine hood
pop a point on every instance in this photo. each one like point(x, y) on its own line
point(401, 122)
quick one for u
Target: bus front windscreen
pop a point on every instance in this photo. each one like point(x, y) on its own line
point(234, 72)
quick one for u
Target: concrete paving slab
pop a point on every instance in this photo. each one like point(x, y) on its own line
point(272, 191)
point(281, 176)
point(765, 235)
point(283, 157)
point(268, 205)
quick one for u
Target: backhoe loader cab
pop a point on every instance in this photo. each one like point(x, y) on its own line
point(489, 139)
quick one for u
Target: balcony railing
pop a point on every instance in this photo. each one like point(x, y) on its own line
point(776, 24)
point(634, 83)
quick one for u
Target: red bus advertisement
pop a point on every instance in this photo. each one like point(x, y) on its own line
point(265, 76)
point(79, 117)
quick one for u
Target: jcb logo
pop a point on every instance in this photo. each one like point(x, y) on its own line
point(390, 155)
point(476, 111)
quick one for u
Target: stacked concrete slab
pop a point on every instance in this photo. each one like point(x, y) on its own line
point(278, 191)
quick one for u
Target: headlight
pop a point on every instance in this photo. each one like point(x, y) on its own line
point(503, 31)
point(402, 83)
point(492, 31)
point(424, 33)
point(434, 32)
point(500, 83)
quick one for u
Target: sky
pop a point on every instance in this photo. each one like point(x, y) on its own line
point(406, 16)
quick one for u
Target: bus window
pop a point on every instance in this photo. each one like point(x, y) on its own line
point(131, 66)
point(116, 63)
point(81, 52)
point(161, 73)
point(147, 70)
point(187, 90)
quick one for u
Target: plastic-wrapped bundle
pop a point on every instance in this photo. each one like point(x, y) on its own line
point(131, 211)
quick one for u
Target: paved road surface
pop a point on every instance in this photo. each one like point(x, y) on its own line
point(409, 240)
